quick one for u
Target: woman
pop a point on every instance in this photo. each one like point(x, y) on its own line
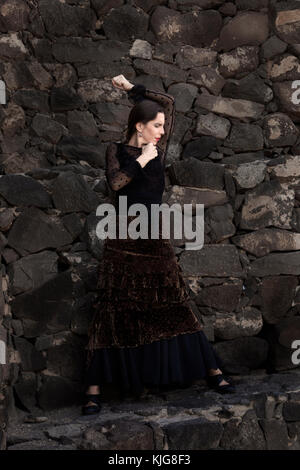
point(144, 332)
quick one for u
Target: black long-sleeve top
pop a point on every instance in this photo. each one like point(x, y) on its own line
point(124, 174)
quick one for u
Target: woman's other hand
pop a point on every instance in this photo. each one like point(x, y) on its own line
point(119, 81)
point(148, 153)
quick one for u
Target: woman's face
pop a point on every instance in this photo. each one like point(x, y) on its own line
point(153, 130)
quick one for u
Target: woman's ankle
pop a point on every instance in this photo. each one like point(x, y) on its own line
point(215, 371)
point(93, 390)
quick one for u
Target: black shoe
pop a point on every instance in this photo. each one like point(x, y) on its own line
point(213, 381)
point(91, 409)
point(228, 379)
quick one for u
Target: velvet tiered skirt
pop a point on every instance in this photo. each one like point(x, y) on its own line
point(144, 332)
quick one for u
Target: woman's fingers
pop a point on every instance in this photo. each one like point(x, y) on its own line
point(119, 81)
point(115, 83)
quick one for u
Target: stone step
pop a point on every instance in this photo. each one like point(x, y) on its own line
point(263, 413)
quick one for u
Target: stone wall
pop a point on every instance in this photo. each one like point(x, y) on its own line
point(233, 69)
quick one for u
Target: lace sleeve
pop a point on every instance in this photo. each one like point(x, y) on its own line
point(140, 92)
point(118, 177)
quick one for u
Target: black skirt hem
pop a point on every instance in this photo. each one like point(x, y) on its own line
point(176, 361)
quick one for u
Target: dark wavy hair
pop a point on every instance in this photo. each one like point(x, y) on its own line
point(144, 111)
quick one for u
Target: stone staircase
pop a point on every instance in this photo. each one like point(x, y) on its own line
point(263, 414)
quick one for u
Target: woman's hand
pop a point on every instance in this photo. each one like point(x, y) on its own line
point(121, 82)
point(148, 153)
